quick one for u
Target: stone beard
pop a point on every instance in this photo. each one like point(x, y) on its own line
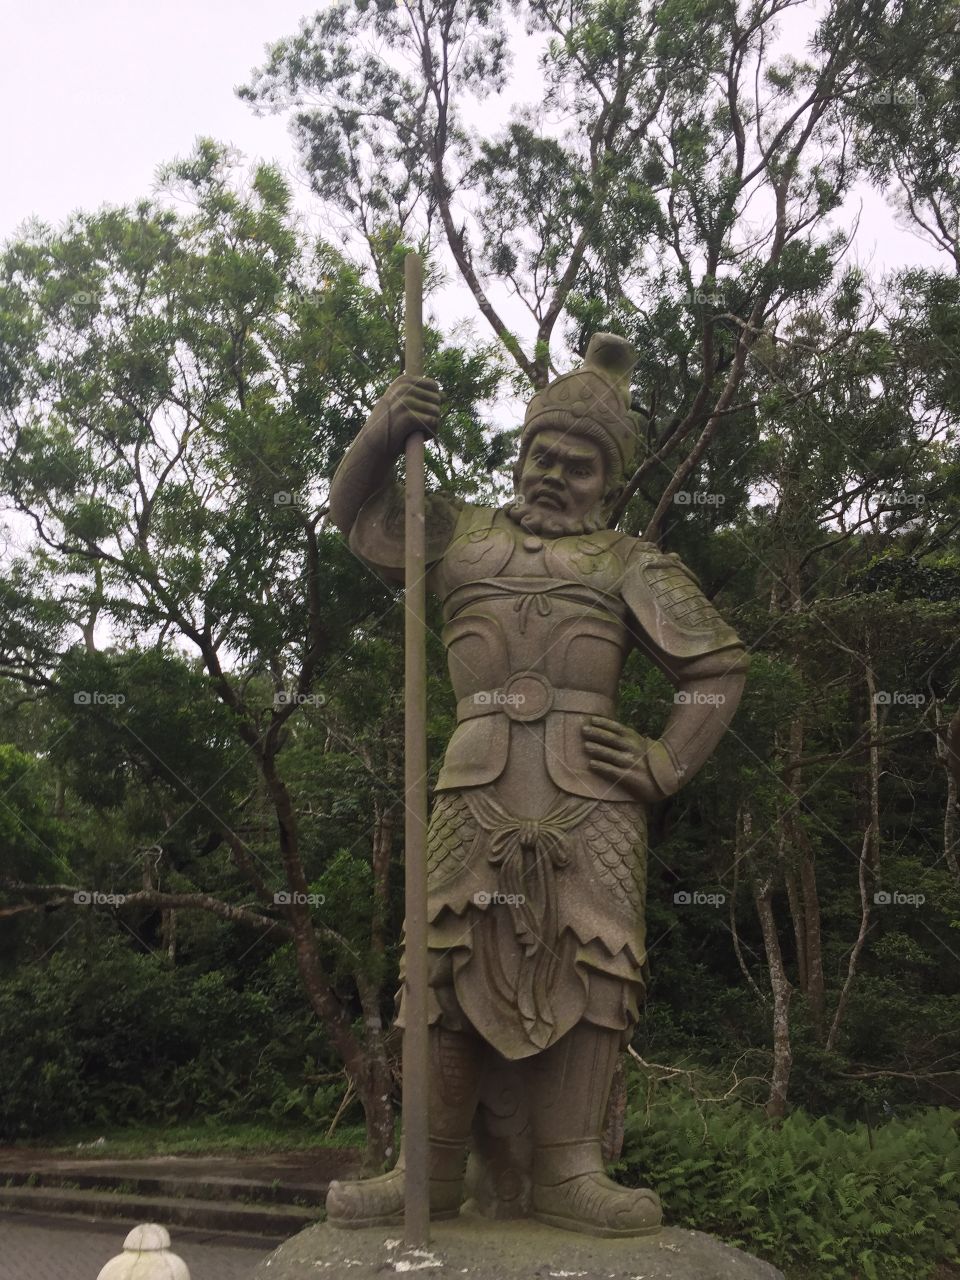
point(545, 524)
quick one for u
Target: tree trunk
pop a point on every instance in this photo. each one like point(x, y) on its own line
point(950, 827)
point(383, 830)
point(951, 748)
point(802, 892)
point(776, 1107)
point(168, 933)
point(363, 1055)
point(616, 1117)
point(869, 857)
point(795, 904)
point(948, 752)
point(816, 990)
point(743, 836)
point(374, 1088)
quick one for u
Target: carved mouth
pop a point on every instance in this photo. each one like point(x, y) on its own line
point(548, 498)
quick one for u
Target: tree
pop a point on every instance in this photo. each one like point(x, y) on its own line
point(175, 390)
point(679, 181)
point(187, 383)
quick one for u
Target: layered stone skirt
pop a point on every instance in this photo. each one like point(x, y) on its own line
point(534, 925)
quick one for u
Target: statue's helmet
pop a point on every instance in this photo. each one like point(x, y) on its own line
point(592, 401)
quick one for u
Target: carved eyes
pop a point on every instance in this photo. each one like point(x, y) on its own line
point(579, 471)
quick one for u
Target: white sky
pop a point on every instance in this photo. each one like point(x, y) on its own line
point(95, 94)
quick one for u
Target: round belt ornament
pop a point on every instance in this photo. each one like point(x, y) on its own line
point(526, 696)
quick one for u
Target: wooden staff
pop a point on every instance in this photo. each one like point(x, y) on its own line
point(415, 1051)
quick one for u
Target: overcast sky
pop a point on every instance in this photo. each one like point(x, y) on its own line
point(96, 93)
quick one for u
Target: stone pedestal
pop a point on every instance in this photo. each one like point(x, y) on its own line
point(517, 1249)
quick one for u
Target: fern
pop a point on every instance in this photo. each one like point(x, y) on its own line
point(811, 1195)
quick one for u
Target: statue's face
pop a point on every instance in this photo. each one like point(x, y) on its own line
point(563, 481)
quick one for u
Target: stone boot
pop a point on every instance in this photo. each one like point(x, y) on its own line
point(378, 1202)
point(568, 1097)
point(572, 1191)
point(455, 1062)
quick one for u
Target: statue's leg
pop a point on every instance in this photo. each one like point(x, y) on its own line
point(568, 1094)
point(455, 1063)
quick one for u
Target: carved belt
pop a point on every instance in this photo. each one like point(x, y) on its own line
point(529, 696)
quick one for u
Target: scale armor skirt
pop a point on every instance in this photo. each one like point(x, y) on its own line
point(534, 925)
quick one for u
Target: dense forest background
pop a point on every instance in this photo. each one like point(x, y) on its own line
point(201, 687)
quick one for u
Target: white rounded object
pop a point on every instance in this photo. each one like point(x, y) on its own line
point(146, 1256)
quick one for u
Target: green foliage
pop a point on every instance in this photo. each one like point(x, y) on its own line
point(32, 845)
point(178, 382)
point(845, 1202)
point(144, 716)
point(103, 1037)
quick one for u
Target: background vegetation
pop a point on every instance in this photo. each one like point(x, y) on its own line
point(200, 687)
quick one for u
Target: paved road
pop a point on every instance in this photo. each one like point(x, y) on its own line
point(35, 1248)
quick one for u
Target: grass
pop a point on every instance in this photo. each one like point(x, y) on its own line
point(214, 1137)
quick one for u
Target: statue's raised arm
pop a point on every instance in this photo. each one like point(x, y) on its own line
point(366, 501)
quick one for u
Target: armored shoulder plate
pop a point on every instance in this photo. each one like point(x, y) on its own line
point(667, 602)
point(377, 535)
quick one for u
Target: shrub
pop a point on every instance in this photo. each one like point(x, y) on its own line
point(106, 1037)
point(844, 1202)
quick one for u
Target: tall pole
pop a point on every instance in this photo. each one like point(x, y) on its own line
point(415, 1052)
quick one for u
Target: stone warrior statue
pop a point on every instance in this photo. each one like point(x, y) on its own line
point(537, 842)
